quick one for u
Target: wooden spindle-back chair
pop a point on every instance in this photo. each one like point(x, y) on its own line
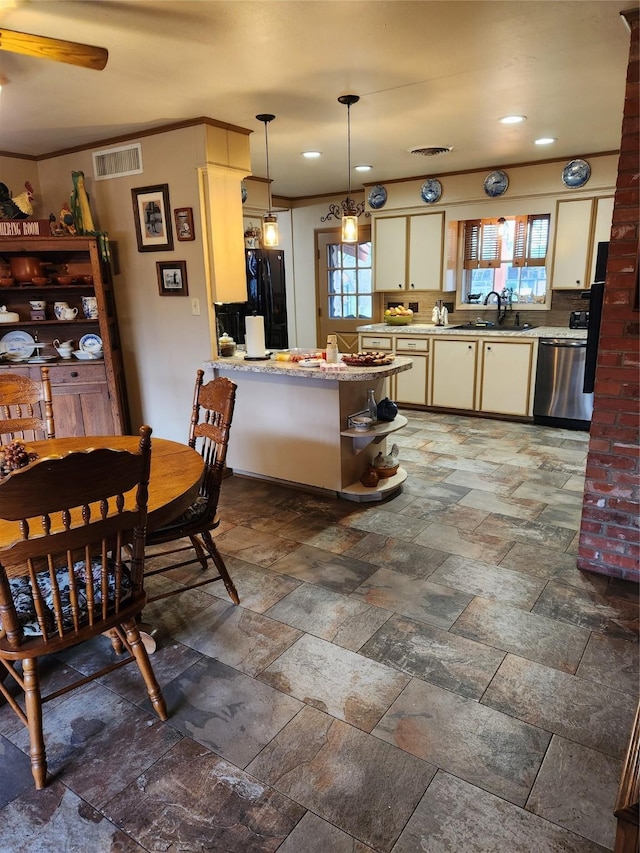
point(75, 569)
point(211, 415)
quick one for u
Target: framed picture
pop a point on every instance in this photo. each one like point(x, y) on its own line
point(172, 278)
point(151, 215)
point(184, 224)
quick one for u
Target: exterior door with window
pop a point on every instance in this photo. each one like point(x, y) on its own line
point(345, 293)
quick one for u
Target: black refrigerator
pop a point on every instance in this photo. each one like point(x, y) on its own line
point(266, 296)
point(595, 295)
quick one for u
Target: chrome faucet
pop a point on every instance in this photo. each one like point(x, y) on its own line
point(501, 313)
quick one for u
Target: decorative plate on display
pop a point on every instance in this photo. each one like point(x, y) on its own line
point(377, 197)
point(90, 343)
point(18, 344)
point(244, 192)
point(496, 183)
point(576, 173)
point(431, 191)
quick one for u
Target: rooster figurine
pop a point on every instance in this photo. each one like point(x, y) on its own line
point(18, 207)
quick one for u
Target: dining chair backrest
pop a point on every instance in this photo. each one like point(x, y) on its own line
point(26, 407)
point(72, 528)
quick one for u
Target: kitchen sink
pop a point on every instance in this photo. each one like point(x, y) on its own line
point(475, 326)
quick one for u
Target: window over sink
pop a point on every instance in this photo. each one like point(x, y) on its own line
point(505, 255)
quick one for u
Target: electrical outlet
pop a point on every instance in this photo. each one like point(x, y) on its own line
point(195, 306)
point(414, 307)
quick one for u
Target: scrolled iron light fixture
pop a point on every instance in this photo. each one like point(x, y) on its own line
point(270, 237)
point(348, 211)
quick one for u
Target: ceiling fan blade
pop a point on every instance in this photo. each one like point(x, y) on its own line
point(85, 55)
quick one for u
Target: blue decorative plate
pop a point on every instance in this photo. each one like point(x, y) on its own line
point(90, 343)
point(244, 192)
point(377, 197)
point(431, 191)
point(576, 173)
point(496, 183)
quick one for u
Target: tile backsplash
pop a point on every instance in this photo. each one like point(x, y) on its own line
point(563, 302)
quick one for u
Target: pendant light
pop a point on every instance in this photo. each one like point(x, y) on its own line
point(349, 217)
point(270, 236)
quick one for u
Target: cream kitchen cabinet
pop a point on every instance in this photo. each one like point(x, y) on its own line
point(453, 373)
point(580, 225)
point(506, 377)
point(410, 387)
point(408, 252)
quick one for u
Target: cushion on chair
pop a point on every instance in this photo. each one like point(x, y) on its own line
point(192, 514)
point(25, 606)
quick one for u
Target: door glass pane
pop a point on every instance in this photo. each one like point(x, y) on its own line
point(349, 281)
point(365, 307)
point(334, 281)
point(364, 281)
point(333, 255)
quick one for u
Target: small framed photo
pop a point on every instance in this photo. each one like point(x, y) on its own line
point(172, 278)
point(184, 224)
point(151, 215)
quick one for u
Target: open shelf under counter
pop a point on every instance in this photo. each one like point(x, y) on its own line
point(379, 492)
point(377, 430)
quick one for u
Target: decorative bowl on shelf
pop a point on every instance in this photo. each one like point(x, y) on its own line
point(40, 280)
point(362, 423)
point(64, 279)
point(6, 282)
point(398, 319)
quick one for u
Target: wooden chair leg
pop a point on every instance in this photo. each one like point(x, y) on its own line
point(33, 707)
point(142, 659)
point(222, 569)
point(200, 554)
point(116, 643)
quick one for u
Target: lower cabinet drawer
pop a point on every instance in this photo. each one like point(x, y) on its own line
point(412, 344)
point(378, 342)
point(63, 374)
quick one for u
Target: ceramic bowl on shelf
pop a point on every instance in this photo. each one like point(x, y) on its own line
point(64, 279)
point(40, 280)
point(6, 282)
point(362, 423)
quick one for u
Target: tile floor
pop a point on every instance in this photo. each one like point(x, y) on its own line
point(428, 674)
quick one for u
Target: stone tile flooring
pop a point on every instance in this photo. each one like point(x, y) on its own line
point(427, 675)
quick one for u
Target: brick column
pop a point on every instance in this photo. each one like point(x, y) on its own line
point(610, 528)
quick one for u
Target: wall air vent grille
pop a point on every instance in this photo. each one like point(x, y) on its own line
point(117, 162)
point(431, 150)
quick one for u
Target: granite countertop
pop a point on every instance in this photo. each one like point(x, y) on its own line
point(496, 331)
point(285, 369)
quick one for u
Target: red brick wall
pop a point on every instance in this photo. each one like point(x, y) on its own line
point(610, 528)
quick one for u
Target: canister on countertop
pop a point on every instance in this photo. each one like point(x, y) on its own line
point(332, 349)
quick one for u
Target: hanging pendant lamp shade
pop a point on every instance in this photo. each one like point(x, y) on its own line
point(270, 237)
point(349, 218)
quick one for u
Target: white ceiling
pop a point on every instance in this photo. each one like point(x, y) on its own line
point(428, 73)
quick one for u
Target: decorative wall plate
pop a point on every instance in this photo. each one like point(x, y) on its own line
point(243, 190)
point(431, 191)
point(377, 197)
point(496, 183)
point(576, 173)
point(18, 344)
point(90, 343)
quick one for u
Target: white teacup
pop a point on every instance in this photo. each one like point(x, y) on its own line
point(90, 307)
point(58, 308)
point(37, 304)
point(68, 314)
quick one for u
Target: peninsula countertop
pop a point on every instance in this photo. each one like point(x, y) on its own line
point(494, 331)
point(289, 369)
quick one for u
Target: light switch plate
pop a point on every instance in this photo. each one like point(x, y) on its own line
point(195, 306)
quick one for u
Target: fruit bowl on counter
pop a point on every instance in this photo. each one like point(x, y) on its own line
point(398, 316)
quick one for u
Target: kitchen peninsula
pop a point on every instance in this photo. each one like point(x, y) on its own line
point(291, 423)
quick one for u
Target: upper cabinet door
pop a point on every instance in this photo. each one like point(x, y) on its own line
point(390, 253)
point(572, 244)
point(426, 249)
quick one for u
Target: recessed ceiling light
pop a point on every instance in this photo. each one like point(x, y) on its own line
point(312, 155)
point(363, 168)
point(545, 140)
point(512, 119)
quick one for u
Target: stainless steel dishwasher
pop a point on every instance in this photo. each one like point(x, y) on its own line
point(559, 399)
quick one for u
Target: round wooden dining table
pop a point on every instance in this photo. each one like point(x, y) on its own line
point(176, 473)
